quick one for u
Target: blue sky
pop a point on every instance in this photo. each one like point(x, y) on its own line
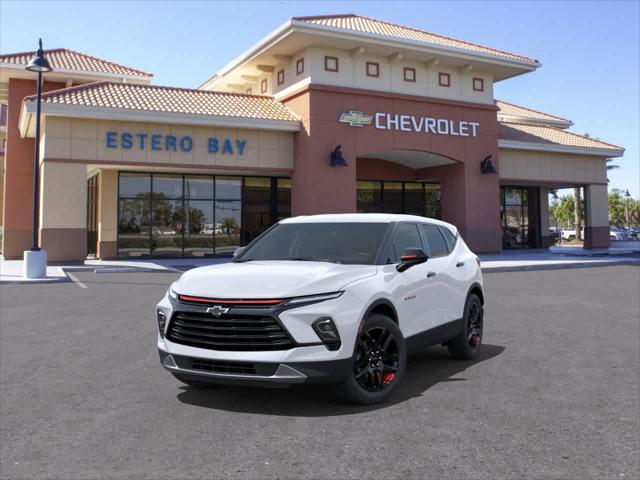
point(589, 50)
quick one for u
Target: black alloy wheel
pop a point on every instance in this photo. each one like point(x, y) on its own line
point(379, 361)
point(467, 345)
point(376, 362)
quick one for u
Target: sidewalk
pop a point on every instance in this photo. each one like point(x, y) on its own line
point(506, 261)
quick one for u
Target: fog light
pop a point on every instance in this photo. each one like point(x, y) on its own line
point(162, 322)
point(328, 333)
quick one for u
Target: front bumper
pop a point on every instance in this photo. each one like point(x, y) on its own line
point(249, 373)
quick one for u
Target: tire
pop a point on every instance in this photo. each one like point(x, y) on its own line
point(379, 362)
point(468, 344)
point(571, 238)
point(193, 383)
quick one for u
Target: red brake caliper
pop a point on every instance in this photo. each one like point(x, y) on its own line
point(475, 339)
point(387, 378)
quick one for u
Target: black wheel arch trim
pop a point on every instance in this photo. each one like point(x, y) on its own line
point(475, 286)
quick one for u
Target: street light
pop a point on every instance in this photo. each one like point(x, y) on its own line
point(35, 260)
point(626, 208)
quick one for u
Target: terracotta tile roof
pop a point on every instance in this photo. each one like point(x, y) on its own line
point(65, 59)
point(513, 110)
point(379, 27)
point(517, 132)
point(152, 98)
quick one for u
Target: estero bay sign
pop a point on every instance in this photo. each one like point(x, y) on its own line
point(411, 123)
point(171, 143)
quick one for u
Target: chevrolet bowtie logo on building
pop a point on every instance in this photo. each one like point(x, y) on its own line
point(217, 310)
point(356, 119)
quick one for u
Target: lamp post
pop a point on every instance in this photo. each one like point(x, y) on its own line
point(35, 260)
point(626, 208)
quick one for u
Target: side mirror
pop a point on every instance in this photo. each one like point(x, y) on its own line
point(238, 251)
point(411, 257)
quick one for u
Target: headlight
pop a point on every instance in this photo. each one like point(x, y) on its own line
point(313, 298)
point(162, 322)
point(172, 294)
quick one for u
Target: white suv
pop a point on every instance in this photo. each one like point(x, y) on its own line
point(331, 298)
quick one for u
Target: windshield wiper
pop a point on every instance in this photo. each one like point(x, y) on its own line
point(312, 259)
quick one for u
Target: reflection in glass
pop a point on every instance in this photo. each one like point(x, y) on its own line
point(167, 222)
point(229, 188)
point(134, 184)
point(169, 186)
point(283, 207)
point(369, 197)
point(198, 188)
point(392, 197)
point(133, 227)
point(414, 199)
point(228, 215)
point(256, 216)
point(199, 228)
point(432, 195)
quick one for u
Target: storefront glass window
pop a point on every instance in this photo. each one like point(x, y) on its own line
point(283, 198)
point(256, 217)
point(413, 198)
point(369, 197)
point(432, 193)
point(195, 215)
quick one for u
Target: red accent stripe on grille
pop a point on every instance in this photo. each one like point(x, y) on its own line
point(222, 301)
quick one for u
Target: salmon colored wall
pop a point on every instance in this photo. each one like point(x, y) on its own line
point(470, 200)
point(18, 178)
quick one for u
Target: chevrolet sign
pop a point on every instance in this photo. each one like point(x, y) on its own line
point(410, 123)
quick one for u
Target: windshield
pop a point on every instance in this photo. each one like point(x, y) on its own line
point(348, 243)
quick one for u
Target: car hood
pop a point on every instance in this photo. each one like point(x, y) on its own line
point(269, 279)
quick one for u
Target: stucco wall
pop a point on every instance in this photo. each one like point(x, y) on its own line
point(352, 73)
point(551, 167)
point(85, 140)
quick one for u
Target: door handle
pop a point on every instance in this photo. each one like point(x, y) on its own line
point(460, 264)
point(431, 274)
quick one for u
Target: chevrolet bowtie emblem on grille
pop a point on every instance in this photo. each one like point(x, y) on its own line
point(217, 310)
point(355, 119)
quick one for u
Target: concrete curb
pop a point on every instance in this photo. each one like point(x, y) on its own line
point(560, 266)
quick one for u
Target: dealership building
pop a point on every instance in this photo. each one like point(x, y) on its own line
point(337, 113)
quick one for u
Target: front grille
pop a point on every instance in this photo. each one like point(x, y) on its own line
point(223, 367)
point(232, 332)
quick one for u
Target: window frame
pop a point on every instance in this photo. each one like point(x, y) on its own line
point(480, 82)
point(263, 85)
point(327, 59)
point(407, 70)
point(444, 75)
point(280, 76)
point(300, 66)
point(391, 247)
point(377, 67)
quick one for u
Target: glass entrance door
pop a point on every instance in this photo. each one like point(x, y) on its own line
point(92, 216)
point(519, 217)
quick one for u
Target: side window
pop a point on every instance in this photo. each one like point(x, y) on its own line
point(449, 237)
point(437, 245)
point(407, 236)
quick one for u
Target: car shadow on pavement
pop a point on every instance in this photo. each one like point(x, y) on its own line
point(424, 370)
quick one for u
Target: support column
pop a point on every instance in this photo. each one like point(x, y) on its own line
point(316, 186)
point(63, 207)
point(18, 174)
point(596, 216)
point(107, 214)
point(546, 240)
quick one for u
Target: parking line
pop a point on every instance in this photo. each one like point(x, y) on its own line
point(75, 280)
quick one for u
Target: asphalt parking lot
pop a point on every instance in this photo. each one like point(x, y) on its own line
point(554, 394)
